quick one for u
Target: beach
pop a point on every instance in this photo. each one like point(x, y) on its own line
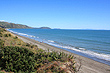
point(86, 65)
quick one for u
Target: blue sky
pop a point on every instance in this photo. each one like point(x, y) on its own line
point(65, 14)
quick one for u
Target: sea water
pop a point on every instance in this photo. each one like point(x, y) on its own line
point(94, 44)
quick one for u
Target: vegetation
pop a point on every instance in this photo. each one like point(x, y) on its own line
point(15, 37)
point(53, 61)
point(1, 43)
point(17, 56)
point(12, 25)
point(17, 59)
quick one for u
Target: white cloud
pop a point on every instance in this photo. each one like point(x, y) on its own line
point(2, 20)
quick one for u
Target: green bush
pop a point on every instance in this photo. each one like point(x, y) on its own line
point(32, 46)
point(1, 30)
point(2, 72)
point(27, 44)
point(43, 57)
point(19, 43)
point(1, 43)
point(5, 35)
point(0, 35)
point(15, 37)
point(10, 35)
point(17, 59)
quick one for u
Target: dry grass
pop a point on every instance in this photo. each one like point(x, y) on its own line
point(14, 41)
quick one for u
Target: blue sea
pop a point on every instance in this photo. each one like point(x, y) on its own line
point(93, 44)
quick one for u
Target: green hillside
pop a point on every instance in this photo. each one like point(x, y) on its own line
point(12, 25)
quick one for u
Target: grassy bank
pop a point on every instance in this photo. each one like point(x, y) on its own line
point(18, 56)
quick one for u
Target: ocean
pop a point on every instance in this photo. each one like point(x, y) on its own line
point(93, 44)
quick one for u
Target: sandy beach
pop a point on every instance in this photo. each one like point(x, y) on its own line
point(87, 65)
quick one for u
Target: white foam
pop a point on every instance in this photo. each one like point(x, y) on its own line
point(82, 49)
point(87, 52)
point(21, 33)
point(50, 41)
point(12, 31)
point(91, 53)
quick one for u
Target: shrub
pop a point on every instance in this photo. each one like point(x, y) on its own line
point(10, 35)
point(17, 59)
point(5, 35)
point(0, 35)
point(19, 43)
point(2, 72)
point(32, 46)
point(15, 37)
point(1, 43)
point(27, 44)
point(49, 59)
point(1, 30)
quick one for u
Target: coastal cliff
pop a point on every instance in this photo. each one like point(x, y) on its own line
point(12, 25)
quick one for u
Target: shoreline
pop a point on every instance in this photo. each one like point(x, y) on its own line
point(87, 65)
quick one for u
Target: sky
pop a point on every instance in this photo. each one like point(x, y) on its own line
point(64, 14)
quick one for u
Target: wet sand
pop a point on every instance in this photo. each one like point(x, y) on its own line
point(87, 65)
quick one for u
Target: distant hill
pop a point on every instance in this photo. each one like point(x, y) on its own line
point(12, 25)
point(43, 28)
